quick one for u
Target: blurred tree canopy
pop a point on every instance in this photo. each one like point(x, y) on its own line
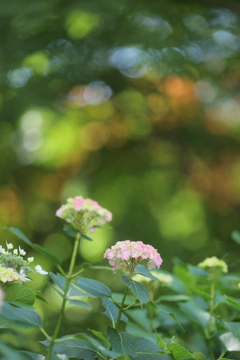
point(135, 104)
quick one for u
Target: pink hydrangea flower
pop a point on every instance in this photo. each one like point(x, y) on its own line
point(128, 254)
point(10, 275)
point(84, 214)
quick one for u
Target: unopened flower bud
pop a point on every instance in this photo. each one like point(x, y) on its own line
point(21, 251)
point(9, 246)
point(30, 259)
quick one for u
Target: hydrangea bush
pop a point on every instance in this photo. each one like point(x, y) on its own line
point(191, 313)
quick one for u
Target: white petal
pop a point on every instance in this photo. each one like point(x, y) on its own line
point(39, 269)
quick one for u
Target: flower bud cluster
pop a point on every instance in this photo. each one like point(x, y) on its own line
point(128, 254)
point(84, 214)
point(213, 263)
point(13, 267)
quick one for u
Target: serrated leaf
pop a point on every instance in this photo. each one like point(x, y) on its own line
point(122, 343)
point(56, 289)
point(179, 352)
point(172, 315)
point(99, 335)
point(230, 342)
point(59, 280)
point(236, 236)
point(19, 293)
point(137, 289)
point(24, 316)
point(21, 305)
point(79, 303)
point(147, 350)
point(75, 291)
point(50, 256)
point(14, 324)
point(93, 287)
point(112, 311)
point(76, 349)
point(140, 269)
point(233, 303)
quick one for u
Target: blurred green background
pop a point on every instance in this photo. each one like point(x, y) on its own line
point(135, 104)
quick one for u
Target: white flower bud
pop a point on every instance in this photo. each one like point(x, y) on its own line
point(15, 251)
point(21, 251)
point(39, 269)
point(30, 259)
point(9, 246)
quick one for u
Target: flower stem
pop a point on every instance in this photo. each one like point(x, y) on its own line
point(121, 308)
point(211, 308)
point(68, 280)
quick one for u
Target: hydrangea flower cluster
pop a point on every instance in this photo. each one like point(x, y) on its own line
point(84, 214)
point(13, 267)
point(128, 254)
point(213, 263)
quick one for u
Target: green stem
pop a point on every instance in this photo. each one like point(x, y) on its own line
point(211, 308)
point(121, 308)
point(68, 280)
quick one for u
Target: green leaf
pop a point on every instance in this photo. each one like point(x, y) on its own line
point(122, 343)
point(236, 236)
point(99, 335)
point(75, 291)
point(93, 287)
point(233, 303)
point(172, 315)
point(76, 349)
point(25, 316)
point(19, 234)
point(10, 353)
point(20, 294)
point(174, 298)
point(137, 289)
point(79, 303)
point(195, 313)
point(112, 311)
point(70, 230)
point(41, 298)
point(13, 324)
point(50, 256)
point(161, 343)
point(230, 342)
point(147, 350)
point(59, 280)
point(21, 305)
point(179, 352)
point(233, 327)
point(140, 269)
point(83, 236)
point(184, 275)
point(199, 356)
point(47, 254)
